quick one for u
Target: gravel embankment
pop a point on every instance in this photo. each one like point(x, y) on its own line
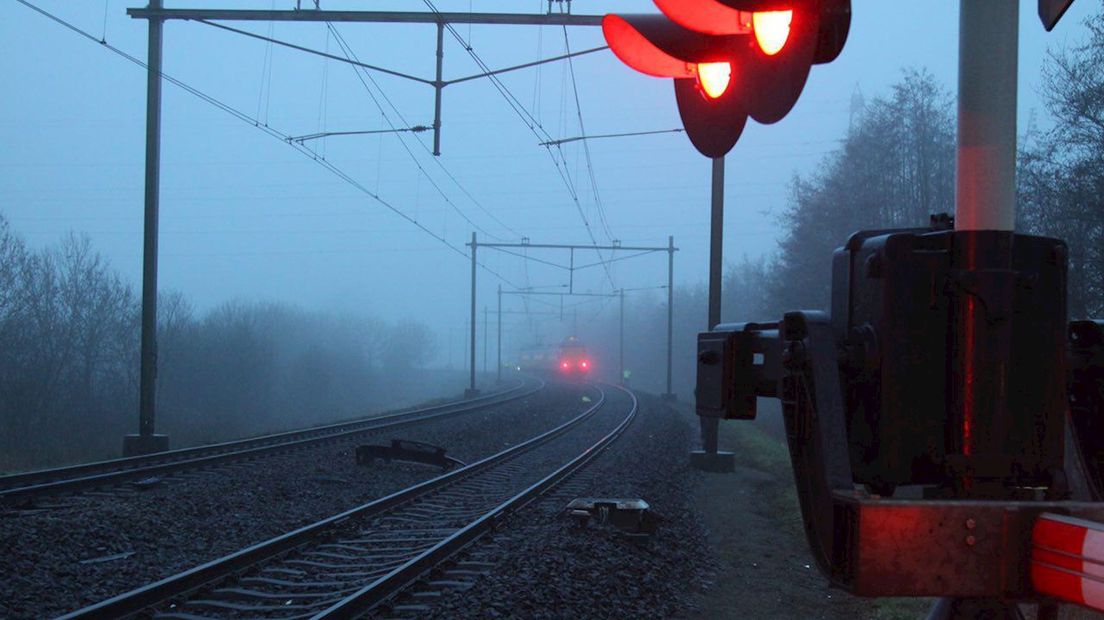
point(58, 560)
point(549, 568)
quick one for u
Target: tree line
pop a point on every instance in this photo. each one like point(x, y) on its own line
point(69, 353)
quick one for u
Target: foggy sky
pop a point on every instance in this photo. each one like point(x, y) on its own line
point(246, 217)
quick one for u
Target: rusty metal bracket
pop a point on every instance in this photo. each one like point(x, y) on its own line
point(951, 548)
point(629, 515)
point(407, 451)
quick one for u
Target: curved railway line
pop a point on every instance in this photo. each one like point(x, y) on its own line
point(24, 487)
point(347, 564)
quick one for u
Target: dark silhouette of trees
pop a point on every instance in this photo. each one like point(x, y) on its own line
point(894, 168)
point(69, 330)
point(1061, 175)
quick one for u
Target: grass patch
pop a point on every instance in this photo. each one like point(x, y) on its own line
point(758, 450)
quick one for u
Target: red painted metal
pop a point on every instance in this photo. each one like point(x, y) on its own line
point(706, 16)
point(637, 51)
point(1067, 559)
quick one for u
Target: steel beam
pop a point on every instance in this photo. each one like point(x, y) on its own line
point(438, 86)
point(474, 265)
point(146, 441)
point(377, 17)
point(621, 340)
point(555, 246)
point(670, 311)
point(498, 340)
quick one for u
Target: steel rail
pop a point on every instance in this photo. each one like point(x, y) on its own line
point(151, 595)
point(17, 487)
point(373, 594)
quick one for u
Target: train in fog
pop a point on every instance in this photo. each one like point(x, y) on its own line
point(573, 358)
point(570, 358)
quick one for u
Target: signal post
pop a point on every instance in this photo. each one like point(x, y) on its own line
point(730, 60)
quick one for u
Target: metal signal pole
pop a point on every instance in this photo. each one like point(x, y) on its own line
point(710, 427)
point(716, 243)
point(485, 332)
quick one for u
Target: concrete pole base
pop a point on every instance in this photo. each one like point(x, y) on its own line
point(716, 462)
point(669, 397)
point(139, 445)
point(470, 393)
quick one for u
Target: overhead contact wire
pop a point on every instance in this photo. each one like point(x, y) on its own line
point(281, 136)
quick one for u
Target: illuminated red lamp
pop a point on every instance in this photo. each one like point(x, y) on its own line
point(772, 30)
point(564, 365)
point(584, 364)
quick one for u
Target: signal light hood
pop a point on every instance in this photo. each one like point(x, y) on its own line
point(706, 16)
point(654, 45)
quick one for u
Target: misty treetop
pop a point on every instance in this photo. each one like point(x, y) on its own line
point(1061, 173)
point(69, 335)
point(894, 168)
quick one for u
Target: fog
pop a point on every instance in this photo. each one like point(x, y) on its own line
point(247, 221)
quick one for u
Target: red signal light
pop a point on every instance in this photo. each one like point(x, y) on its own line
point(772, 30)
point(564, 365)
point(584, 364)
point(714, 78)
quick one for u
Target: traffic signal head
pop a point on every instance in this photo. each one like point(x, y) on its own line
point(731, 59)
point(707, 80)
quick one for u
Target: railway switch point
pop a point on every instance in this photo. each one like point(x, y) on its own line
point(139, 445)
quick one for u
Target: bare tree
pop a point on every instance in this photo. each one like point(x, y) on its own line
point(894, 168)
point(1061, 175)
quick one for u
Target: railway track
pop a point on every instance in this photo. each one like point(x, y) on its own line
point(22, 488)
point(350, 563)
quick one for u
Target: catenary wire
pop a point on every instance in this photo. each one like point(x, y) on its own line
point(274, 133)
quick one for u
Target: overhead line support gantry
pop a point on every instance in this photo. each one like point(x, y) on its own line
point(670, 249)
point(147, 440)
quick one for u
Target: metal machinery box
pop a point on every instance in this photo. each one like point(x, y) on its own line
point(893, 298)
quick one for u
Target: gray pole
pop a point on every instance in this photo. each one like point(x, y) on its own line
point(985, 184)
point(571, 273)
point(985, 217)
point(621, 335)
point(485, 332)
point(438, 86)
point(670, 310)
point(146, 441)
point(498, 340)
point(471, 387)
point(710, 427)
point(716, 243)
